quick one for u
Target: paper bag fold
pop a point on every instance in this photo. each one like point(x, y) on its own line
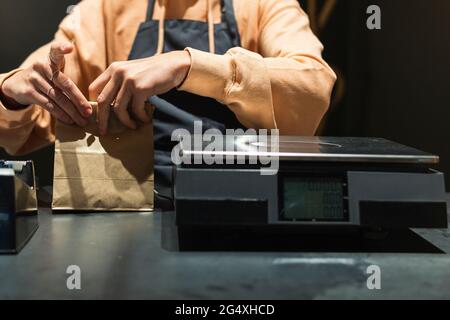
point(103, 173)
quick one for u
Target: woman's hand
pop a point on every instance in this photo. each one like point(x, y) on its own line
point(129, 84)
point(44, 84)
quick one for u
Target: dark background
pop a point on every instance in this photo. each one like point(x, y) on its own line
point(395, 79)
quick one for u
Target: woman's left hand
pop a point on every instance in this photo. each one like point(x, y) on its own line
point(129, 84)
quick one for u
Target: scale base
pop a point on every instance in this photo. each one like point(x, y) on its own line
point(283, 239)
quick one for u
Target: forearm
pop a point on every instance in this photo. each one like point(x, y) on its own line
point(236, 79)
point(286, 84)
point(301, 92)
point(23, 131)
point(291, 94)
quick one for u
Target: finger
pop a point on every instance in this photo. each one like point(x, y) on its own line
point(64, 83)
point(121, 108)
point(65, 104)
point(99, 84)
point(51, 107)
point(138, 108)
point(59, 99)
point(105, 99)
point(57, 52)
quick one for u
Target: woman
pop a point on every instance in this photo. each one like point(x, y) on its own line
point(229, 63)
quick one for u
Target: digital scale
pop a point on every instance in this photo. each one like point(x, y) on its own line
point(324, 190)
point(18, 205)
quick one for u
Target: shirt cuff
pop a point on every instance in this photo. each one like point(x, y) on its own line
point(12, 114)
point(209, 74)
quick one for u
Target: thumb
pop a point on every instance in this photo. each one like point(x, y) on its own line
point(57, 52)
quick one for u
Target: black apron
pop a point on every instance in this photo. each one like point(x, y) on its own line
point(176, 109)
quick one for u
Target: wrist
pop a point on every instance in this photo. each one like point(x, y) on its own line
point(6, 99)
point(185, 62)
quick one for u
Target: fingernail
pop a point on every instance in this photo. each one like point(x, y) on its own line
point(88, 111)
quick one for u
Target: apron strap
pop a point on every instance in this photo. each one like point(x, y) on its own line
point(228, 17)
point(150, 10)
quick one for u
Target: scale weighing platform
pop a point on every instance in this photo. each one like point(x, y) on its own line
point(328, 194)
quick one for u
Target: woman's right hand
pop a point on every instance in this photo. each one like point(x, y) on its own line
point(45, 84)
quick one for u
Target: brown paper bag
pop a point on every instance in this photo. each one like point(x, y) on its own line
point(103, 173)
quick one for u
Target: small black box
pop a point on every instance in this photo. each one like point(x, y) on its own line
point(18, 205)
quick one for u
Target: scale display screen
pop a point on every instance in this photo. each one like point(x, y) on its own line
point(312, 199)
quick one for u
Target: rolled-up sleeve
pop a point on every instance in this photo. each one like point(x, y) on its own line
point(285, 85)
point(25, 130)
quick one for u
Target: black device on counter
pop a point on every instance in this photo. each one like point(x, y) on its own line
point(18, 205)
point(323, 189)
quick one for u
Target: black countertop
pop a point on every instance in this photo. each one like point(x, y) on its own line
point(121, 257)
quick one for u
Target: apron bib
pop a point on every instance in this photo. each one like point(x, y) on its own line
point(176, 109)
